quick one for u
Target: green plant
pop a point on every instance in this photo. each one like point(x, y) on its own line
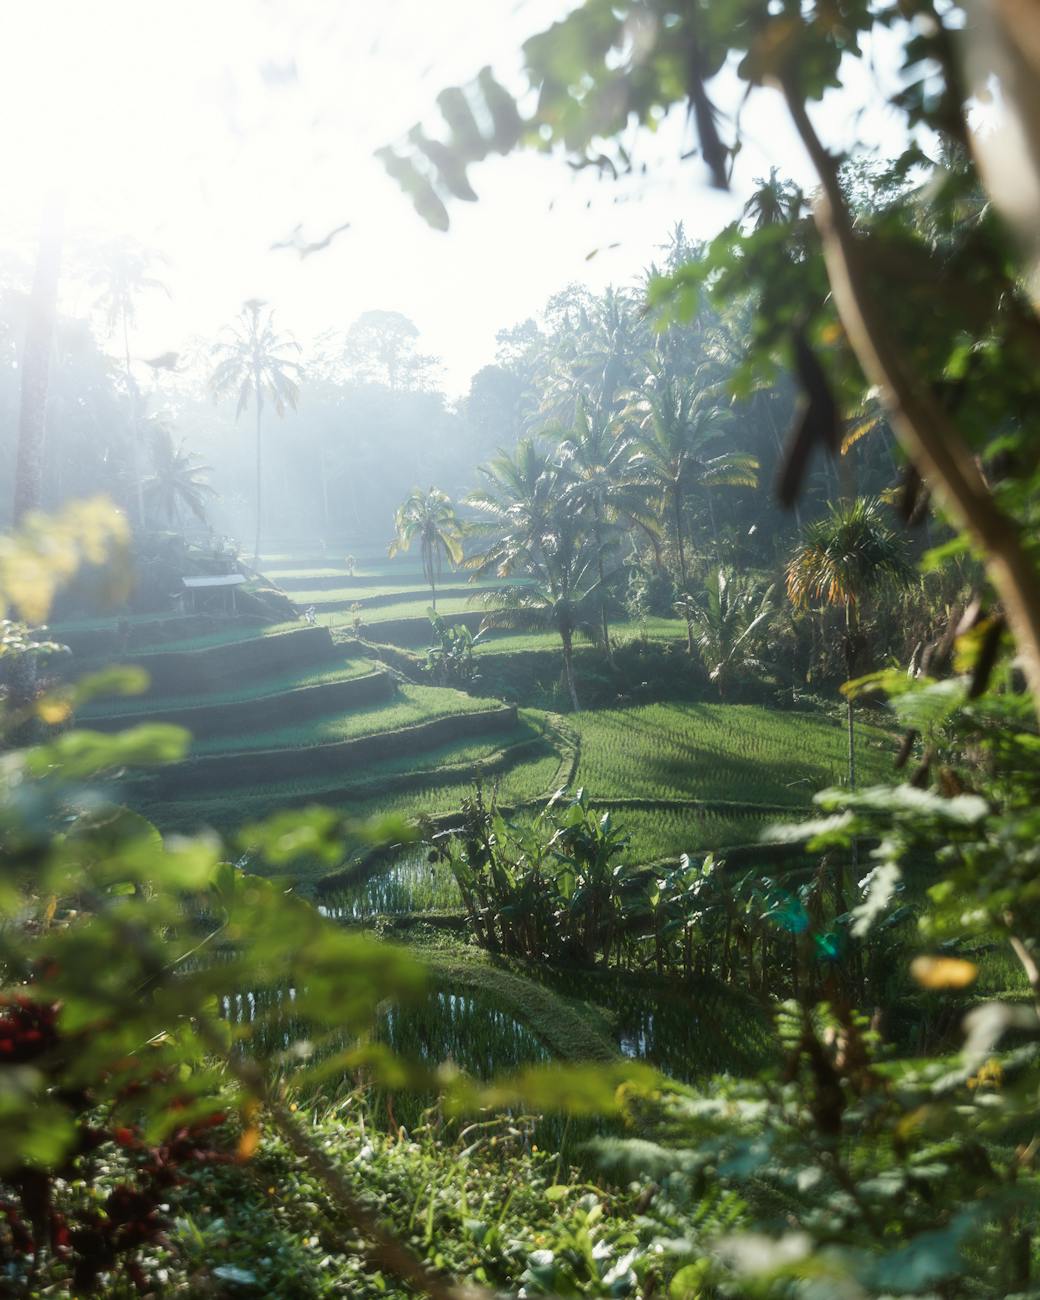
point(451, 662)
point(731, 625)
point(841, 560)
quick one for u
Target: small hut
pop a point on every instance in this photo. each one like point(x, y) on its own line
point(212, 594)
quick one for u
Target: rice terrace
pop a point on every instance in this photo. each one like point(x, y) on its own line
point(520, 660)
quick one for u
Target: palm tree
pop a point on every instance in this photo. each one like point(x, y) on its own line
point(597, 480)
point(843, 558)
point(253, 362)
point(678, 431)
point(774, 201)
point(32, 414)
point(515, 506)
point(429, 517)
point(595, 358)
point(123, 276)
point(560, 589)
point(731, 623)
point(177, 482)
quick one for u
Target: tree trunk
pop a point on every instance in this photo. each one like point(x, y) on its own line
point(323, 470)
point(429, 560)
point(568, 669)
point(32, 421)
point(135, 450)
point(849, 669)
point(259, 465)
point(681, 551)
point(36, 360)
point(924, 428)
point(714, 527)
point(603, 602)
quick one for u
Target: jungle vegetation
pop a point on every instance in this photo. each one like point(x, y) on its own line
point(706, 965)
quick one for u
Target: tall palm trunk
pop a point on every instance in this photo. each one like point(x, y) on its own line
point(568, 666)
point(32, 417)
point(429, 559)
point(714, 527)
point(681, 551)
point(605, 626)
point(36, 360)
point(323, 468)
point(849, 667)
point(850, 651)
point(135, 450)
point(259, 462)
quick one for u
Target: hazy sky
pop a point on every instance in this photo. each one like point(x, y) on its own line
point(210, 128)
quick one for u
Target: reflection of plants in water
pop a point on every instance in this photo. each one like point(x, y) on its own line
point(408, 884)
point(688, 1031)
point(466, 1030)
point(691, 1036)
point(463, 1029)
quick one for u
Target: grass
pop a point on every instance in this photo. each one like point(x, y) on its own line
point(414, 704)
point(741, 753)
point(432, 781)
point(351, 666)
point(507, 642)
point(416, 609)
point(229, 635)
point(667, 833)
point(408, 591)
point(106, 621)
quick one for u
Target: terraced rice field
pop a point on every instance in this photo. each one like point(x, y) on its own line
point(230, 634)
point(507, 642)
point(679, 777)
point(349, 666)
point(415, 608)
point(414, 704)
point(523, 760)
point(414, 589)
point(738, 753)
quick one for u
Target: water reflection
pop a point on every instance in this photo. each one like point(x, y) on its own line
point(688, 1032)
point(409, 883)
point(444, 1026)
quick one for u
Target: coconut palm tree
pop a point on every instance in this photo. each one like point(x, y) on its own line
point(842, 559)
point(32, 414)
point(429, 518)
point(773, 202)
point(178, 481)
point(124, 274)
point(561, 587)
point(597, 480)
point(515, 506)
point(676, 455)
point(254, 362)
point(596, 359)
point(731, 623)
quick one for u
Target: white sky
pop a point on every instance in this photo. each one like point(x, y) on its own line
point(171, 123)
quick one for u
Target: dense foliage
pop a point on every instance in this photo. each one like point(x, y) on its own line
point(209, 1078)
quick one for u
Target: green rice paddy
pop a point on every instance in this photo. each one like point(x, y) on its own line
point(348, 666)
point(678, 777)
point(739, 753)
point(654, 629)
point(413, 705)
